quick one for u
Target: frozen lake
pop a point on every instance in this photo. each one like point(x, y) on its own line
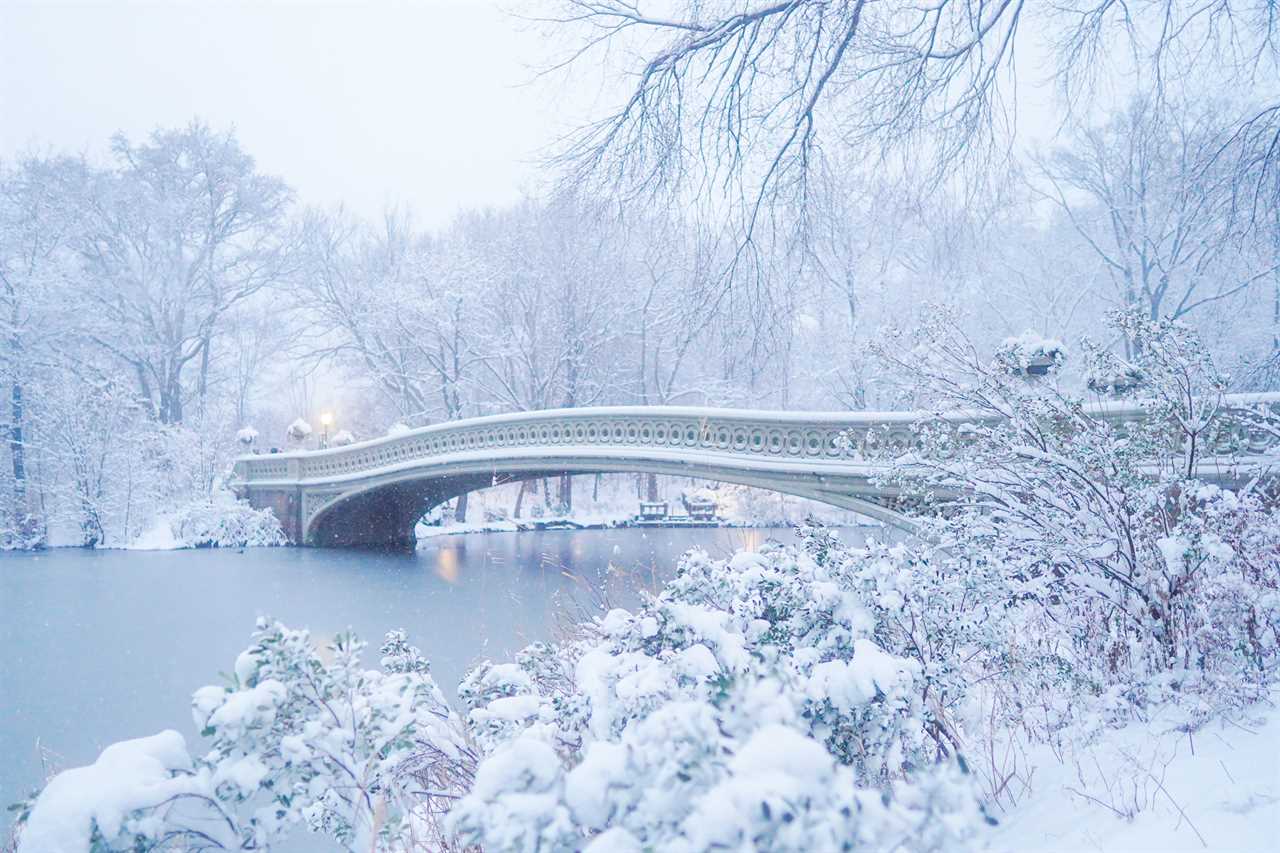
point(105, 645)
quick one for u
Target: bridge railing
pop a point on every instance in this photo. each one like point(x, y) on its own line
point(814, 438)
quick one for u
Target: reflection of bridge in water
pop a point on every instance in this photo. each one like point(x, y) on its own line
point(374, 492)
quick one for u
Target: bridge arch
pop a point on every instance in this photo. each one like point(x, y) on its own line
point(384, 510)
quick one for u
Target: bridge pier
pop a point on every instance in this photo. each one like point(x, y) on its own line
point(285, 502)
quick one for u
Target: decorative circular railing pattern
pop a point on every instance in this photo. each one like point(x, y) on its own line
point(586, 429)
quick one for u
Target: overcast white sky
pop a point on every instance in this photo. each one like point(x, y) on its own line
point(370, 103)
point(430, 103)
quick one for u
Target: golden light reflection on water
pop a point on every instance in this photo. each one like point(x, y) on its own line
point(745, 538)
point(447, 564)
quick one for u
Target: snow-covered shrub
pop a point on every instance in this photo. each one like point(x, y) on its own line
point(342, 438)
point(371, 757)
point(20, 529)
point(138, 793)
point(1086, 567)
point(1030, 354)
point(748, 706)
point(752, 705)
point(342, 747)
point(299, 430)
point(223, 522)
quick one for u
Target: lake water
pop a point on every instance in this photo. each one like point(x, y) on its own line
point(99, 646)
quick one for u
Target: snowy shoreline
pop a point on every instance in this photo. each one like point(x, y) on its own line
point(431, 531)
point(155, 541)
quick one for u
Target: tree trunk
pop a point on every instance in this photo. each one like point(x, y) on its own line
point(653, 487)
point(204, 373)
point(17, 449)
point(460, 513)
point(566, 494)
point(171, 401)
point(524, 484)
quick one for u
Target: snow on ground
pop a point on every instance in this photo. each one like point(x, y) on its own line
point(581, 519)
point(429, 531)
point(158, 537)
point(1150, 787)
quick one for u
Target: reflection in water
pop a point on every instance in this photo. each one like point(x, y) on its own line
point(447, 564)
point(106, 645)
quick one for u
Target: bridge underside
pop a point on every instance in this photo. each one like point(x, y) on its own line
point(383, 511)
point(385, 516)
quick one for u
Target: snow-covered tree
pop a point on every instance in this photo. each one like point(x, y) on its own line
point(176, 236)
point(1080, 550)
point(1153, 200)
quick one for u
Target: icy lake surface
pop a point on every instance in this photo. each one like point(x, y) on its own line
point(105, 645)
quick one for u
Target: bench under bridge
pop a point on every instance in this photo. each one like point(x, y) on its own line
point(374, 492)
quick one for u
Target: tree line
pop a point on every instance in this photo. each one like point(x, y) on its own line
point(158, 300)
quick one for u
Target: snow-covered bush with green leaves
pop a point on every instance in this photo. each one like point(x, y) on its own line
point(301, 736)
point(749, 706)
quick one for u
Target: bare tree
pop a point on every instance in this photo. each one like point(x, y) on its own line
point(183, 230)
point(37, 224)
point(866, 238)
point(1148, 195)
point(741, 98)
point(379, 300)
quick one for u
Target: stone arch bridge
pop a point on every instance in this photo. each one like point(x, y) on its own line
point(374, 492)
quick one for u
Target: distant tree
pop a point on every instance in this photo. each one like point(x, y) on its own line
point(181, 231)
point(1155, 206)
point(372, 303)
point(37, 224)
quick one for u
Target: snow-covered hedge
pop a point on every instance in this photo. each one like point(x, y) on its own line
point(213, 524)
point(220, 521)
point(301, 736)
point(299, 430)
point(749, 706)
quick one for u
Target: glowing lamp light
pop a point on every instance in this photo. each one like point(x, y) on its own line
point(326, 421)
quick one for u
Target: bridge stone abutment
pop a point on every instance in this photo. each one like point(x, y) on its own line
point(285, 502)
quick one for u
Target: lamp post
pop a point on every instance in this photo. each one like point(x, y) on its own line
point(326, 421)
